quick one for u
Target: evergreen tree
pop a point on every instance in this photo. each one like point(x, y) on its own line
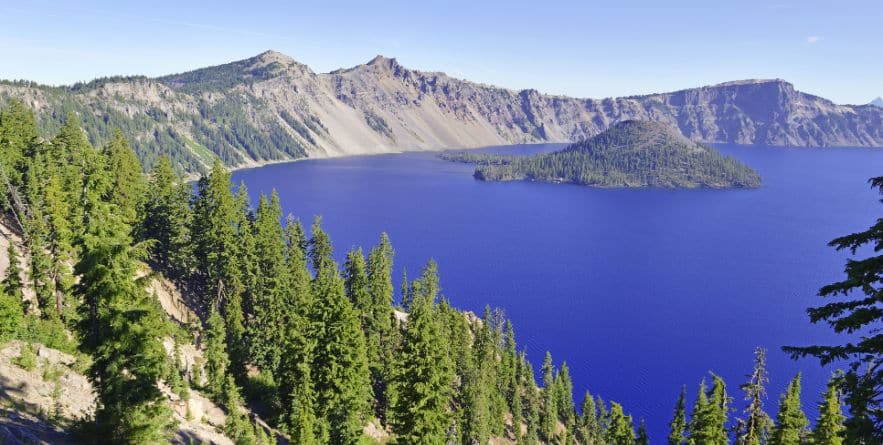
point(858, 317)
point(564, 396)
point(271, 284)
point(122, 328)
point(127, 182)
point(237, 425)
point(12, 282)
point(421, 386)
point(517, 413)
point(589, 426)
point(11, 316)
point(166, 218)
point(378, 321)
point(791, 422)
point(340, 366)
point(755, 428)
point(678, 425)
point(621, 431)
point(216, 360)
point(550, 403)
point(18, 137)
point(829, 426)
point(708, 423)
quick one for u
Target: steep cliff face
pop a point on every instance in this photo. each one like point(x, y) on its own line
point(272, 108)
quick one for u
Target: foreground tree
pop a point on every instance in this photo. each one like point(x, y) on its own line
point(754, 429)
point(122, 328)
point(678, 425)
point(791, 422)
point(859, 313)
point(829, 426)
point(420, 390)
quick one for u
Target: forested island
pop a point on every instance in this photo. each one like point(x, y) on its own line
point(292, 347)
point(628, 154)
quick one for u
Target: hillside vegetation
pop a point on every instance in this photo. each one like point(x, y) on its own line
point(325, 353)
point(629, 154)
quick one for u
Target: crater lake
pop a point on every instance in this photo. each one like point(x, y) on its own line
point(640, 291)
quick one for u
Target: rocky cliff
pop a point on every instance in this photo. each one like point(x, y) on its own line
point(272, 108)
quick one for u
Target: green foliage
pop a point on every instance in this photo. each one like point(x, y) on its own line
point(122, 328)
point(857, 313)
point(754, 429)
point(217, 362)
point(27, 357)
point(829, 426)
point(340, 366)
point(791, 423)
point(422, 379)
point(12, 283)
point(708, 422)
point(620, 431)
point(550, 402)
point(11, 316)
point(166, 219)
point(628, 154)
point(678, 425)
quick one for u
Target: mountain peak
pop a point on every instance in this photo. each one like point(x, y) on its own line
point(877, 102)
point(383, 62)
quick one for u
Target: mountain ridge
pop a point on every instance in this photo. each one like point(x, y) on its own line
point(271, 108)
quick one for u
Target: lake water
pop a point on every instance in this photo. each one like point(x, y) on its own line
point(640, 291)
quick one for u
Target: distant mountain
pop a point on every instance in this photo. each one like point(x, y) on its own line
point(272, 108)
point(628, 154)
point(878, 102)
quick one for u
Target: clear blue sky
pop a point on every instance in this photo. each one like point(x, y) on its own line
point(579, 48)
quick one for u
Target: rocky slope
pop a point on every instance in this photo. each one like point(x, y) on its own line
point(272, 108)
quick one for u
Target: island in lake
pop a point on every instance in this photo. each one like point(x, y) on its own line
point(628, 154)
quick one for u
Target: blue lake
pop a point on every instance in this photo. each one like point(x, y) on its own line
point(640, 291)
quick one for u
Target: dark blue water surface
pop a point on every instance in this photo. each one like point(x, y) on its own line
point(640, 291)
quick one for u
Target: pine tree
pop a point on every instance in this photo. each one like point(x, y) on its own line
point(304, 427)
point(215, 234)
point(791, 422)
point(755, 428)
point(127, 182)
point(217, 362)
point(589, 425)
point(166, 218)
point(11, 316)
point(378, 321)
point(237, 425)
point(340, 367)
point(517, 413)
point(299, 339)
point(564, 396)
point(12, 282)
point(421, 386)
point(18, 137)
point(271, 284)
point(122, 327)
point(829, 426)
point(621, 431)
point(550, 403)
point(858, 318)
point(678, 425)
point(603, 417)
